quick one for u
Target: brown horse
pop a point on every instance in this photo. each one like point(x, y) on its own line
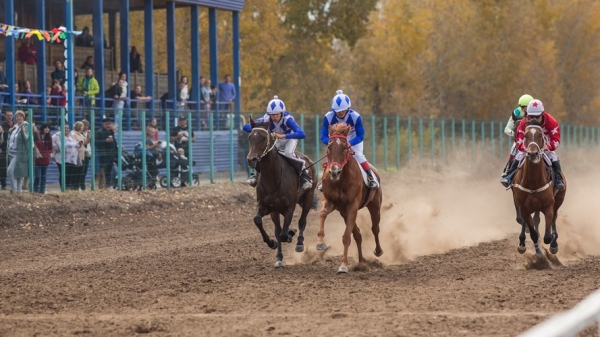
point(278, 189)
point(345, 191)
point(533, 191)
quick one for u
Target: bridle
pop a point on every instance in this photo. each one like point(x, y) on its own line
point(542, 149)
point(267, 148)
point(349, 153)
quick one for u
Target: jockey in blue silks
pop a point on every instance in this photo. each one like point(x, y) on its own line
point(287, 132)
point(341, 113)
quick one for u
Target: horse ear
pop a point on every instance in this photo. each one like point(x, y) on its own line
point(252, 123)
point(330, 127)
point(347, 130)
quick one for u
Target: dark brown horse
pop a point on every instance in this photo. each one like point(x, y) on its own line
point(533, 191)
point(278, 191)
point(345, 191)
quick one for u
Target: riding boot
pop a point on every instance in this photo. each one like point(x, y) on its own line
point(559, 184)
point(506, 180)
point(372, 182)
point(505, 171)
point(306, 179)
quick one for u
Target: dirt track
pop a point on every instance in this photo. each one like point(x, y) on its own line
point(191, 263)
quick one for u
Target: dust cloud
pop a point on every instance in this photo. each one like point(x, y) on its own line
point(433, 209)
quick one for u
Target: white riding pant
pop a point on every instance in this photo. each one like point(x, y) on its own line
point(358, 153)
point(550, 154)
point(514, 150)
point(288, 146)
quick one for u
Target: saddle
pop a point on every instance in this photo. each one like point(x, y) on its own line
point(548, 165)
point(295, 162)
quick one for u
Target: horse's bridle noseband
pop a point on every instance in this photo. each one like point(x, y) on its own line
point(349, 153)
point(267, 148)
point(542, 149)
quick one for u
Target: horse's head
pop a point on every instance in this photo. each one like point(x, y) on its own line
point(338, 149)
point(535, 142)
point(261, 141)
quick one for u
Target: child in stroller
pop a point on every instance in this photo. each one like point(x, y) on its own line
point(132, 164)
point(179, 168)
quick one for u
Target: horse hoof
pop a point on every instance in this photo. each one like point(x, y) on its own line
point(299, 248)
point(292, 232)
point(285, 238)
point(279, 264)
point(547, 239)
point(321, 246)
point(273, 244)
point(378, 255)
point(521, 249)
point(538, 251)
point(553, 250)
point(343, 270)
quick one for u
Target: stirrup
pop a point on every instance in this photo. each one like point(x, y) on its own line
point(505, 182)
point(306, 185)
point(372, 182)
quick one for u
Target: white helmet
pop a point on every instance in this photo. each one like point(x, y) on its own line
point(535, 107)
point(340, 102)
point(275, 106)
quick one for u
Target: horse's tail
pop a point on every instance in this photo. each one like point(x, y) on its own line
point(315, 202)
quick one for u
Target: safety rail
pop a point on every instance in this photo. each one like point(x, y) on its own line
point(571, 322)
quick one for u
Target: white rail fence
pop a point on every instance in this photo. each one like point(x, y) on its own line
point(571, 322)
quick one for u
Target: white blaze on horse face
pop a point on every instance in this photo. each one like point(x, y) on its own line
point(533, 131)
point(338, 142)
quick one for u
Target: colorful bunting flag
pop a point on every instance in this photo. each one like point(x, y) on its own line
point(56, 35)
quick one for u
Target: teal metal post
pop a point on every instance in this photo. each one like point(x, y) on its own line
point(432, 133)
point(473, 137)
point(420, 140)
point(30, 153)
point(231, 167)
point(587, 137)
point(190, 149)
point(120, 150)
point(93, 142)
point(211, 144)
point(63, 171)
point(581, 136)
point(317, 143)
point(302, 140)
point(385, 144)
point(373, 148)
point(453, 123)
point(144, 165)
point(398, 143)
point(492, 140)
point(482, 137)
point(443, 141)
point(409, 144)
point(464, 138)
point(500, 141)
point(568, 137)
point(168, 148)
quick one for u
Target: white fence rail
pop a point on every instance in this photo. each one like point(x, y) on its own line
point(571, 322)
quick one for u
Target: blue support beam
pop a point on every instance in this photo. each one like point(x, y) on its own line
point(112, 35)
point(195, 23)
point(40, 22)
point(98, 25)
point(171, 60)
point(125, 67)
point(9, 71)
point(70, 45)
point(237, 80)
point(149, 52)
point(213, 46)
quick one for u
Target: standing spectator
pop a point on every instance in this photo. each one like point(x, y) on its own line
point(213, 97)
point(136, 95)
point(153, 124)
point(77, 169)
point(85, 39)
point(183, 92)
point(114, 93)
point(27, 91)
point(153, 148)
point(6, 125)
point(205, 93)
point(106, 147)
point(48, 93)
point(59, 72)
point(71, 149)
point(180, 136)
point(55, 90)
point(18, 149)
point(3, 86)
point(87, 134)
point(27, 52)
point(226, 94)
point(124, 84)
point(135, 60)
point(44, 145)
point(88, 87)
point(75, 79)
point(89, 63)
point(63, 100)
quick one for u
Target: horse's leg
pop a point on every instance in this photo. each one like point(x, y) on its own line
point(275, 218)
point(258, 222)
point(522, 248)
point(549, 215)
point(358, 239)
point(520, 218)
point(532, 232)
point(350, 218)
point(375, 211)
point(306, 204)
point(554, 243)
point(287, 234)
point(323, 213)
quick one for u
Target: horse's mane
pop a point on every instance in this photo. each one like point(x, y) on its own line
point(340, 129)
point(534, 123)
point(264, 125)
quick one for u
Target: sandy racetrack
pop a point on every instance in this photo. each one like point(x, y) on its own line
point(192, 263)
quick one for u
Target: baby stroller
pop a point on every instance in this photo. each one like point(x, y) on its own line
point(179, 169)
point(132, 164)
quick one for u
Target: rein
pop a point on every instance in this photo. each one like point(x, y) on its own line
point(350, 152)
point(267, 148)
point(539, 155)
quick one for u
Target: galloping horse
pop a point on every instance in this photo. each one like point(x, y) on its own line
point(344, 190)
point(278, 191)
point(533, 191)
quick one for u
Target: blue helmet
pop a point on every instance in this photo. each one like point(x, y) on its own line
point(275, 106)
point(340, 102)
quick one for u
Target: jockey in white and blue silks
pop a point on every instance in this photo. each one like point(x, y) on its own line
point(287, 132)
point(341, 113)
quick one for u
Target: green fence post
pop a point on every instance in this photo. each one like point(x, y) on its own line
point(189, 145)
point(144, 158)
point(31, 162)
point(168, 149)
point(231, 167)
point(92, 132)
point(317, 143)
point(420, 140)
point(492, 140)
point(385, 144)
point(63, 170)
point(432, 132)
point(482, 137)
point(473, 137)
point(398, 143)
point(453, 126)
point(302, 127)
point(373, 147)
point(587, 137)
point(443, 141)
point(120, 150)
point(409, 145)
point(464, 134)
point(500, 141)
point(211, 151)
point(598, 137)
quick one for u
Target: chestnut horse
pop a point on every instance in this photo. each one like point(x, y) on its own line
point(345, 191)
point(278, 189)
point(533, 191)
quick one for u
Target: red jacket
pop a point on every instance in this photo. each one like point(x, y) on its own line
point(551, 131)
point(45, 147)
point(27, 54)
